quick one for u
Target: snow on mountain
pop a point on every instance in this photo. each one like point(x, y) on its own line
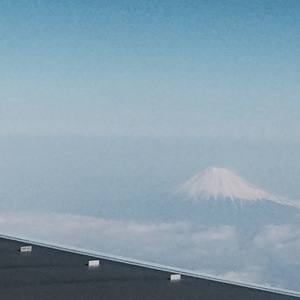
point(216, 183)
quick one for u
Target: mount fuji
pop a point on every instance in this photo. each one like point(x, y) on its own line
point(219, 183)
point(219, 196)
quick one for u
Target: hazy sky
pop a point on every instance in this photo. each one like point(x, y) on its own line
point(151, 68)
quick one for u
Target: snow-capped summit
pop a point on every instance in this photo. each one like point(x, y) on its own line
point(216, 183)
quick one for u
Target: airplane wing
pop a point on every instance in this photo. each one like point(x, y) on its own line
point(32, 270)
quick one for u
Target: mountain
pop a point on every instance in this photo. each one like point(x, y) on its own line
point(218, 196)
point(217, 183)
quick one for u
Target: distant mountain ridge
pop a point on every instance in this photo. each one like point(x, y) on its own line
point(218, 183)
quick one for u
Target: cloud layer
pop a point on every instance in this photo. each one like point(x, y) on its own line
point(217, 250)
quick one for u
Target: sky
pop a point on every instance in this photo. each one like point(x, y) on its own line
point(150, 68)
point(109, 105)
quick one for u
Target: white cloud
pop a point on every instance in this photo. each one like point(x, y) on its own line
point(282, 242)
point(177, 243)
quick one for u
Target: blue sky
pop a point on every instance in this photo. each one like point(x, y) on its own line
point(151, 68)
